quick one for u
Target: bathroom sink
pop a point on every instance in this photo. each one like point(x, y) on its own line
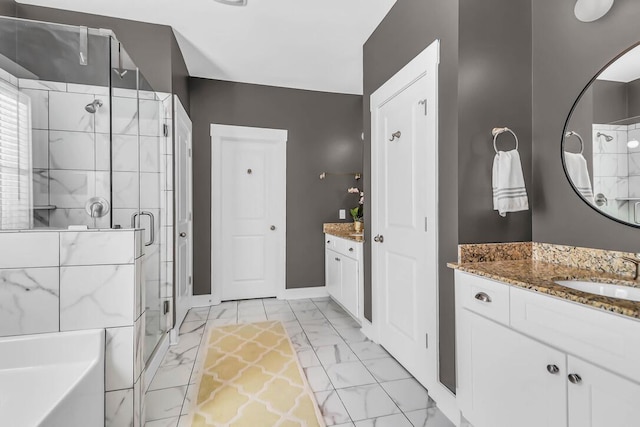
point(605, 289)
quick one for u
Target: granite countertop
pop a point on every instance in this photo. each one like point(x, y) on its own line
point(541, 276)
point(343, 230)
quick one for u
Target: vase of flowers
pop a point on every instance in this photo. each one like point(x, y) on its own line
point(357, 213)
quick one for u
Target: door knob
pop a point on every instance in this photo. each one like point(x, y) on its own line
point(378, 239)
point(183, 234)
point(575, 379)
point(273, 227)
point(553, 369)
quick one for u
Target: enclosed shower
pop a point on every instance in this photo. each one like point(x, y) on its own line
point(86, 142)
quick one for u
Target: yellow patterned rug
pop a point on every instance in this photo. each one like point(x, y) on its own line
point(251, 377)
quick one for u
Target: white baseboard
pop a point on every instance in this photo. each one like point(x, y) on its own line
point(369, 330)
point(155, 361)
point(303, 293)
point(446, 402)
point(203, 301)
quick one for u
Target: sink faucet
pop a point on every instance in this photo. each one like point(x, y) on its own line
point(636, 262)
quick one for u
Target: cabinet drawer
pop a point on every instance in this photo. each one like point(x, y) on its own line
point(330, 241)
point(599, 337)
point(347, 247)
point(483, 296)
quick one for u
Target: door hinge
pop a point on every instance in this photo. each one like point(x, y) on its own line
point(189, 152)
point(190, 279)
point(424, 102)
point(166, 307)
point(426, 224)
point(426, 341)
point(190, 216)
point(165, 130)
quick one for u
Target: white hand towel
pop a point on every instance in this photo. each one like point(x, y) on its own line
point(509, 192)
point(579, 173)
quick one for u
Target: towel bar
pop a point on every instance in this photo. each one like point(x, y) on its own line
point(497, 131)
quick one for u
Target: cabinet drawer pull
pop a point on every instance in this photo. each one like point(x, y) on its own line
point(553, 369)
point(575, 379)
point(481, 296)
point(337, 259)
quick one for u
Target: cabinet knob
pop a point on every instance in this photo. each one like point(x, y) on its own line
point(481, 296)
point(350, 249)
point(553, 369)
point(273, 227)
point(575, 379)
point(328, 241)
point(337, 259)
point(183, 234)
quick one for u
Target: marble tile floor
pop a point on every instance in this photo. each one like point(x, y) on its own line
point(355, 381)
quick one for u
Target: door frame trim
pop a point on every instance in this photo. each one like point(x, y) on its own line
point(409, 74)
point(179, 110)
point(279, 136)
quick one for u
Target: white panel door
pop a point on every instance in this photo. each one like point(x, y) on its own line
point(249, 200)
point(184, 216)
point(404, 213)
point(599, 398)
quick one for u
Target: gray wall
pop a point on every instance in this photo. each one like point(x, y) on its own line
point(611, 101)
point(485, 81)
point(494, 91)
point(152, 47)
point(324, 135)
point(566, 55)
point(7, 8)
point(408, 29)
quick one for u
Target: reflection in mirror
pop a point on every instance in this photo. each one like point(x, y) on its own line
point(601, 143)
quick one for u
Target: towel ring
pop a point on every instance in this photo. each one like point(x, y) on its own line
point(497, 131)
point(577, 135)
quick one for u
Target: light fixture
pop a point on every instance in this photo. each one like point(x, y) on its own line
point(634, 143)
point(592, 10)
point(233, 2)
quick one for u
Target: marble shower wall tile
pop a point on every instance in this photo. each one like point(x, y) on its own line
point(125, 116)
point(29, 249)
point(40, 187)
point(72, 150)
point(126, 192)
point(96, 297)
point(119, 358)
point(39, 108)
point(125, 153)
point(29, 301)
point(73, 188)
point(67, 112)
point(63, 217)
point(97, 248)
point(40, 149)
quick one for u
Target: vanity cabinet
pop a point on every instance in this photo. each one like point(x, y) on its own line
point(343, 272)
point(509, 378)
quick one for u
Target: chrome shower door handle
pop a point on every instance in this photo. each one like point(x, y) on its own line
point(133, 219)
point(152, 227)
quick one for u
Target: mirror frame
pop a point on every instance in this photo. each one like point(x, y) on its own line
point(565, 129)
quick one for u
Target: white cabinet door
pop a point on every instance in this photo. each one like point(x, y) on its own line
point(350, 283)
point(334, 274)
point(503, 379)
point(600, 398)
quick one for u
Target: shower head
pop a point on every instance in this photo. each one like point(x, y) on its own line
point(607, 138)
point(93, 107)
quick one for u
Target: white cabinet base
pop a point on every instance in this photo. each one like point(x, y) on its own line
point(343, 273)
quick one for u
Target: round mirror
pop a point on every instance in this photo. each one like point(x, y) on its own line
point(601, 143)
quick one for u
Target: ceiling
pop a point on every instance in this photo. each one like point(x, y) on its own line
point(625, 69)
point(302, 44)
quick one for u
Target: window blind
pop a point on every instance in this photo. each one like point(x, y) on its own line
point(16, 178)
